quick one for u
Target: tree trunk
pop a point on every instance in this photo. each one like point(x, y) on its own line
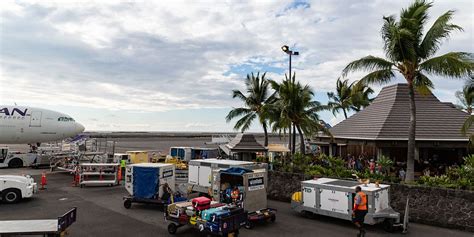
point(264, 125)
point(345, 114)
point(410, 174)
point(289, 139)
point(293, 148)
point(302, 151)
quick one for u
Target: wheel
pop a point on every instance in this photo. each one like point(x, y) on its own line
point(15, 163)
point(273, 218)
point(11, 196)
point(127, 203)
point(388, 225)
point(249, 225)
point(172, 228)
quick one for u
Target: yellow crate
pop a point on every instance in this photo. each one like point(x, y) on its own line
point(138, 156)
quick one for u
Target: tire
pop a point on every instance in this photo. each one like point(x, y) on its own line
point(249, 225)
point(127, 203)
point(15, 163)
point(11, 196)
point(388, 225)
point(172, 228)
point(273, 218)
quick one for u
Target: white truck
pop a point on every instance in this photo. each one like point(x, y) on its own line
point(15, 187)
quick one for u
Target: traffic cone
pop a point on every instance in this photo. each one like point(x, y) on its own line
point(43, 181)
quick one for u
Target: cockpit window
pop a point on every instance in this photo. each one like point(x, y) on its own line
point(65, 119)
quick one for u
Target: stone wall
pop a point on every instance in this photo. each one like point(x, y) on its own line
point(433, 206)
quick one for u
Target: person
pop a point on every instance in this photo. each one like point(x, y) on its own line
point(402, 174)
point(372, 166)
point(123, 165)
point(360, 210)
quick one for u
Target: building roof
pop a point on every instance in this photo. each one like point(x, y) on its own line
point(277, 148)
point(387, 118)
point(245, 143)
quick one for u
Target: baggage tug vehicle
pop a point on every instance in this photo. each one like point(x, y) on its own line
point(335, 198)
point(240, 183)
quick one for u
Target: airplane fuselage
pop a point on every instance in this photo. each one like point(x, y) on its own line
point(19, 124)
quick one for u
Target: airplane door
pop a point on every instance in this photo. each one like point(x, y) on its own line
point(35, 119)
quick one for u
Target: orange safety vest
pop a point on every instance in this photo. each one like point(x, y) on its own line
point(363, 204)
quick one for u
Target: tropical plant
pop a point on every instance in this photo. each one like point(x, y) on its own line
point(256, 99)
point(466, 98)
point(294, 106)
point(410, 53)
point(360, 93)
point(341, 100)
point(386, 164)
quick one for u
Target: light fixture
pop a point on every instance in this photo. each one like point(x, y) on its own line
point(285, 48)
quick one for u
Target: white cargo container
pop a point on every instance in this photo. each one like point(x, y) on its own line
point(333, 197)
point(200, 171)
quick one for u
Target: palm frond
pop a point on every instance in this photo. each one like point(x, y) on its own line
point(236, 112)
point(453, 64)
point(378, 77)
point(368, 63)
point(441, 29)
point(422, 84)
point(245, 122)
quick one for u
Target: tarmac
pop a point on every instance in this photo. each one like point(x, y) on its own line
point(100, 212)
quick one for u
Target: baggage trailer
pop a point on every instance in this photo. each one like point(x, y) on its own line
point(48, 227)
point(207, 216)
point(335, 198)
point(151, 183)
point(218, 178)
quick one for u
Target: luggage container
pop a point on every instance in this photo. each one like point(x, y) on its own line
point(217, 179)
point(149, 183)
point(335, 198)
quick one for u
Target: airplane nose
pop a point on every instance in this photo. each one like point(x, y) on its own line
point(79, 128)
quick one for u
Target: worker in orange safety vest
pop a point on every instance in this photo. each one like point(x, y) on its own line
point(359, 211)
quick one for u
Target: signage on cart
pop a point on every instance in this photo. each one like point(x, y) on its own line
point(256, 184)
point(167, 173)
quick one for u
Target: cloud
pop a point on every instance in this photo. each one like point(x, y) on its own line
point(146, 56)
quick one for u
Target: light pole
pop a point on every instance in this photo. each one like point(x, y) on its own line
point(292, 140)
point(287, 50)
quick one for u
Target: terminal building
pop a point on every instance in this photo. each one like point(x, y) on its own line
point(382, 129)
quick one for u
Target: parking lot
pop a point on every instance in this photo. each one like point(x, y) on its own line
point(101, 213)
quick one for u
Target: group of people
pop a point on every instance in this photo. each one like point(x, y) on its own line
point(362, 162)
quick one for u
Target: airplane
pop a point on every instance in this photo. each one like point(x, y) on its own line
point(29, 125)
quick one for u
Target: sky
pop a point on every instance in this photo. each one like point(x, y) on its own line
point(171, 65)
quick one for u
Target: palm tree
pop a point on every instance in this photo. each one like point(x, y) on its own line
point(294, 106)
point(257, 98)
point(411, 54)
point(341, 100)
point(360, 93)
point(466, 97)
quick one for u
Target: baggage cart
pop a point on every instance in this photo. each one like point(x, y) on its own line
point(46, 227)
point(219, 220)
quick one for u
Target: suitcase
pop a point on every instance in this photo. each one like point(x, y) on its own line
point(213, 225)
point(206, 214)
point(201, 203)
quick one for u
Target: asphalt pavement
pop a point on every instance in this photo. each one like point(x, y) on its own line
point(100, 212)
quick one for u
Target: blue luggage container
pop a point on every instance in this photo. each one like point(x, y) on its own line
point(207, 214)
